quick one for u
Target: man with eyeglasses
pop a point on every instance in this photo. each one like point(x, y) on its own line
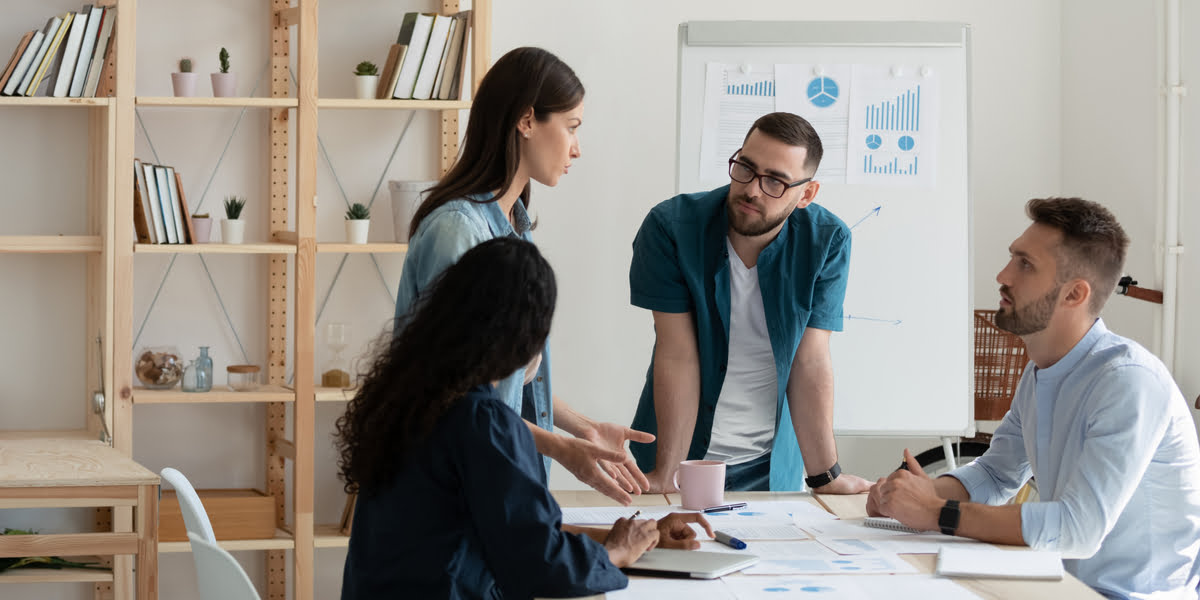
point(746, 283)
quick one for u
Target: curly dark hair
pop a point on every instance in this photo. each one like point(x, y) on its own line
point(485, 317)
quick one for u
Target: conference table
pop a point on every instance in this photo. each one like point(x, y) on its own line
point(850, 507)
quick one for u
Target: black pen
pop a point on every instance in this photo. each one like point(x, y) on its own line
point(734, 506)
point(903, 465)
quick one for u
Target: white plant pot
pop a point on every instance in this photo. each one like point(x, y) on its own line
point(224, 85)
point(184, 84)
point(233, 231)
point(356, 230)
point(366, 85)
point(406, 198)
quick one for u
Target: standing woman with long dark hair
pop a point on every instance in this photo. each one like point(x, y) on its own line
point(522, 128)
point(452, 500)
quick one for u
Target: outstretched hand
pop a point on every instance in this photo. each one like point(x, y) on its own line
point(624, 470)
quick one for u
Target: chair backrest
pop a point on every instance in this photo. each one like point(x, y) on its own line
point(1000, 359)
point(195, 518)
point(218, 574)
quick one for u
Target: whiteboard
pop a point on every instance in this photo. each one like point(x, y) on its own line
point(904, 363)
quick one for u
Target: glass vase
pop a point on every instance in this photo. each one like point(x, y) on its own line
point(204, 370)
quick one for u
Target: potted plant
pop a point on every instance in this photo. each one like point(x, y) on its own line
point(224, 83)
point(184, 82)
point(201, 228)
point(233, 229)
point(358, 223)
point(366, 79)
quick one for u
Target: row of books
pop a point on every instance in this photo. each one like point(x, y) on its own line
point(429, 58)
point(160, 210)
point(66, 58)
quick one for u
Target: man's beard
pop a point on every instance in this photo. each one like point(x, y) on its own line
point(1032, 318)
point(748, 225)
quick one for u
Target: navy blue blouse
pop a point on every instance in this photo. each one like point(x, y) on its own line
point(469, 516)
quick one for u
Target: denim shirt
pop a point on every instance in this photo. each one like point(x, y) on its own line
point(1111, 442)
point(443, 237)
point(681, 264)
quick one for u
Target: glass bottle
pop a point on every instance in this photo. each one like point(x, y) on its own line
point(189, 377)
point(204, 370)
point(336, 374)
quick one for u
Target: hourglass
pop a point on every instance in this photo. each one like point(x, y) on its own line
point(337, 373)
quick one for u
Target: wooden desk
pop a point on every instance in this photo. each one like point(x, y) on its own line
point(851, 507)
point(74, 473)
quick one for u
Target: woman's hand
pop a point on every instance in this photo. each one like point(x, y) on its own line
point(629, 539)
point(675, 531)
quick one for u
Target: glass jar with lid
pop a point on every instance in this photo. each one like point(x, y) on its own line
point(242, 378)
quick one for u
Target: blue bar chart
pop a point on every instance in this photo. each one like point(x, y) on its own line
point(902, 113)
point(761, 88)
point(891, 167)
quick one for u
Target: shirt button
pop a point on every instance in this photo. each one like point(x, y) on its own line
point(539, 378)
point(710, 408)
point(722, 368)
point(544, 413)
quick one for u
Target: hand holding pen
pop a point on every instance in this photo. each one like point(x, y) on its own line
point(675, 530)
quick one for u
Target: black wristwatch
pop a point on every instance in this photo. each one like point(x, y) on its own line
point(825, 478)
point(948, 519)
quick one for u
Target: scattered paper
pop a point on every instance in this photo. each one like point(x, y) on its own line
point(673, 589)
point(899, 587)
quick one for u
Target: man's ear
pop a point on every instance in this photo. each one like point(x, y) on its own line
point(1079, 292)
point(808, 194)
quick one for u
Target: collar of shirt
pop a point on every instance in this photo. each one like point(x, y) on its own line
point(1067, 363)
point(498, 221)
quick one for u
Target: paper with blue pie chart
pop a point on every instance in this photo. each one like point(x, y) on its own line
point(820, 94)
point(893, 125)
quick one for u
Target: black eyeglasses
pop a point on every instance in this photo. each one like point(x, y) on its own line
point(771, 186)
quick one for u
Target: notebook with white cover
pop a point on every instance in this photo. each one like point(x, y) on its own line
point(994, 563)
point(889, 523)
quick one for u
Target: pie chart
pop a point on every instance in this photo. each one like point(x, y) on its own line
point(905, 142)
point(874, 142)
point(822, 92)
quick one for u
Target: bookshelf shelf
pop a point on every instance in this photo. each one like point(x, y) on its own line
point(203, 102)
point(267, 393)
point(282, 541)
point(58, 575)
point(378, 248)
point(328, 394)
point(57, 434)
point(43, 101)
point(351, 103)
point(51, 244)
point(259, 248)
point(329, 536)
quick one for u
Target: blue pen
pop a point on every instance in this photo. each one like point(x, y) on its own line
point(730, 541)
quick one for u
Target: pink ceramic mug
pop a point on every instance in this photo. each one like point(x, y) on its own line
point(701, 483)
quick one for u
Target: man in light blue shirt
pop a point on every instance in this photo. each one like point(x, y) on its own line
point(1096, 419)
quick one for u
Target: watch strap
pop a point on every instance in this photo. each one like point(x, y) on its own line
point(825, 478)
point(948, 518)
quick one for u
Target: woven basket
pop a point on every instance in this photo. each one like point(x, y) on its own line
point(1000, 358)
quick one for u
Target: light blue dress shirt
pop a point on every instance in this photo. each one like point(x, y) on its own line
point(443, 237)
point(1117, 464)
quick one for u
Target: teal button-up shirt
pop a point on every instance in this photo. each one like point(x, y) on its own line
point(681, 264)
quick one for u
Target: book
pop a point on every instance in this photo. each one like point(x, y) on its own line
point(456, 56)
point(151, 184)
point(66, 71)
point(995, 563)
point(391, 68)
point(16, 58)
point(177, 189)
point(181, 216)
point(170, 210)
point(106, 87)
point(86, 47)
point(888, 523)
point(55, 28)
point(414, 33)
point(464, 57)
point(100, 55)
point(141, 220)
point(438, 31)
point(441, 70)
point(18, 74)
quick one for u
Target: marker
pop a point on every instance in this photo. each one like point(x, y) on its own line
point(730, 541)
point(635, 514)
point(734, 506)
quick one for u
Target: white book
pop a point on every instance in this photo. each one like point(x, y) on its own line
point(457, 46)
point(71, 53)
point(108, 21)
point(154, 229)
point(441, 72)
point(170, 210)
point(176, 208)
point(994, 563)
point(18, 73)
point(438, 32)
point(160, 224)
point(86, 47)
point(48, 35)
point(415, 34)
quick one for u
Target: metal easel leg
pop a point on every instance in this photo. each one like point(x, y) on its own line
point(948, 448)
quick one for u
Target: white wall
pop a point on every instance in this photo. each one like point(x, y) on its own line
point(1051, 115)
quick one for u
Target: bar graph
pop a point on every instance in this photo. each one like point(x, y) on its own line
point(761, 88)
point(890, 167)
point(903, 113)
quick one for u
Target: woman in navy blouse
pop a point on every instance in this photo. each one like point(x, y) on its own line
point(452, 497)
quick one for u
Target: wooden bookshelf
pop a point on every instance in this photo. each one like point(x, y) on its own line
point(201, 102)
point(59, 575)
point(253, 248)
point(44, 101)
point(330, 536)
point(219, 394)
point(282, 541)
point(352, 103)
point(372, 248)
point(51, 244)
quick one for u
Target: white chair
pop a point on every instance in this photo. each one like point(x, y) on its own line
point(195, 518)
point(218, 573)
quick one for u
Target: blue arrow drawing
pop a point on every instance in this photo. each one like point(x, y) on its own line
point(874, 212)
point(892, 321)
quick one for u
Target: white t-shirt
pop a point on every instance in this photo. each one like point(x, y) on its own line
point(744, 421)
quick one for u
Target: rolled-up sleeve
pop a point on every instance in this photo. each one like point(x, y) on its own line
point(656, 281)
point(829, 291)
point(997, 475)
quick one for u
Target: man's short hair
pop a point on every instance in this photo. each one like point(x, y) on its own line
point(1093, 246)
point(792, 130)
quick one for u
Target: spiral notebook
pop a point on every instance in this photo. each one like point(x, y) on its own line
point(889, 523)
point(995, 563)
